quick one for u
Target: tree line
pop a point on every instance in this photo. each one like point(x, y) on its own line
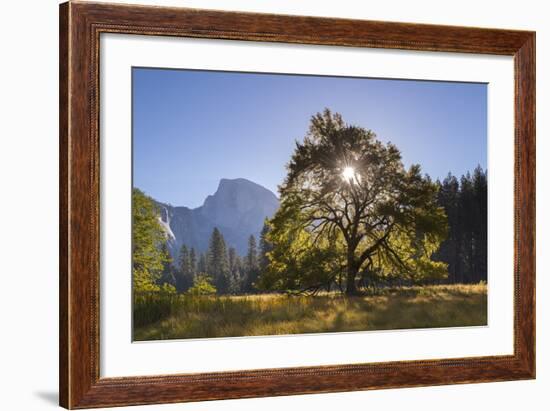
point(218, 270)
point(220, 265)
point(351, 217)
point(465, 248)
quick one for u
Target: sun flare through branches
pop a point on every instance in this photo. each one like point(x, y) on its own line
point(348, 174)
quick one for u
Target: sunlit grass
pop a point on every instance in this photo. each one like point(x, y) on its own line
point(158, 317)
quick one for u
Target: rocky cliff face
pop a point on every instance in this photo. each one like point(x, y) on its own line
point(238, 208)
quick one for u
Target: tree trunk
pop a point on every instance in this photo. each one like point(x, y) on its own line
point(351, 288)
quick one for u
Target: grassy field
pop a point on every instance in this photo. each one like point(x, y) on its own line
point(159, 317)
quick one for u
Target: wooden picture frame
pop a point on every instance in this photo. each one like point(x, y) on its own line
point(81, 24)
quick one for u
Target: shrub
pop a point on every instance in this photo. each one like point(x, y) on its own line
point(202, 285)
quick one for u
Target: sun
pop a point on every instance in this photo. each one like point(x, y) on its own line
point(348, 173)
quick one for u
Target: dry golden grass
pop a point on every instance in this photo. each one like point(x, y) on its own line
point(164, 317)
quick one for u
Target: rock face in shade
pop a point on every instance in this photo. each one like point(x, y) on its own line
point(238, 208)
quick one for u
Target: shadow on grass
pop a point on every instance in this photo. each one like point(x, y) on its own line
point(404, 308)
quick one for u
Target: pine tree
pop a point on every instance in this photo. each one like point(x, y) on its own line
point(235, 269)
point(480, 231)
point(465, 204)
point(168, 276)
point(251, 264)
point(202, 265)
point(218, 264)
point(265, 247)
point(185, 277)
point(449, 251)
point(233, 257)
point(193, 262)
point(184, 259)
point(466, 212)
point(252, 253)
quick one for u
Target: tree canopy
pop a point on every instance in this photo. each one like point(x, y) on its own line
point(150, 257)
point(348, 194)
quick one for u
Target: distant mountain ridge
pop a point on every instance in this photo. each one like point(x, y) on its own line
point(238, 208)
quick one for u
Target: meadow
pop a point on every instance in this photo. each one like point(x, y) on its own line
point(159, 316)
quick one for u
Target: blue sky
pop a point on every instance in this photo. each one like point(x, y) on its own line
point(192, 128)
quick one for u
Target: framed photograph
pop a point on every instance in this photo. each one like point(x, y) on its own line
point(258, 205)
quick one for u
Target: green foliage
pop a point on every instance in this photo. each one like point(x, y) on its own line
point(252, 254)
point(218, 263)
point(193, 262)
point(186, 268)
point(202, 264)
point(265, 246)
point(235, 272)
point(410, 260)
point(168, 289)
point(202, 285)
point(168, 276)
point(299, 260)
point(408, 251)
point(251, 265)
point(149, 254)
point(184, 260)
